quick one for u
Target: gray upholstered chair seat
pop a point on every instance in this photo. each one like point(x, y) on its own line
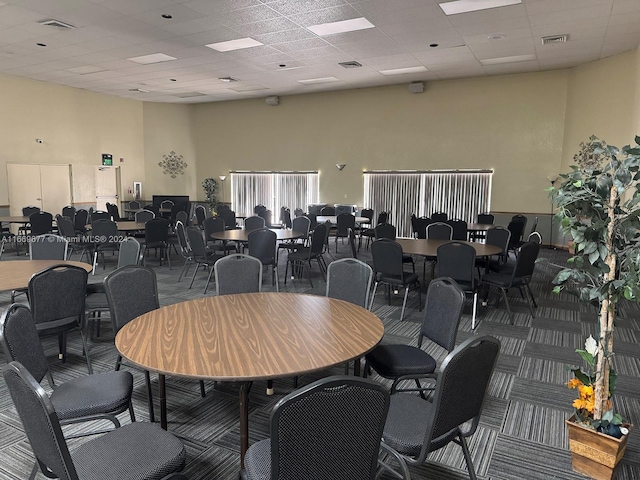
point(408, 421)
point(93, 394)
point(257, 462)
point(393, 361)
point(405, 279)
point(138, 451)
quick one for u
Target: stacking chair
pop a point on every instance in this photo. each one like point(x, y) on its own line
point(298, 212)
point(388, 266)
point(255, 222)
point(459, 230)
point(259, 208)
point(75, 243)
point(212, 225)
point(229, 217)
point(535, 237)
point(266, 215)
point(99, 215)
point(419, 226)
point(238, 273)
point(516, 227)
point(222, 206)
point(286, 218)
point(313, 221)
point(140, 450)
point(352, 243)
point(48, 247)
point(388, 231)
point(533, 231)
point(303, 256)
point(134, 205)
point(56, 297)
point(156, 235)
point(301, 226)
point(498, 237)
point(262, 245)
point(327, 211)
point(520, 277)
point(105, 236)
point(330, 429)
point(27, 212)
point(484, 218)
point(457, 260)
point(80, 221)
point(41, 223)
point(69, 211)
point(201, 257)
point(436, 231)
point(344, 221)
point(350, 280)
point(153, 208)
point(442, 312)
point(439, 217)
point(185, 248)
point(201, 214)
point(143, 216)
point(81, 399)
point(166, 204)
point(370, 233)
point(182, 216)
point(415, 427)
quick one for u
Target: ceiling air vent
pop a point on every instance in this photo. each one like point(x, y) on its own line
point(555, 39)
point(57, 24)
point(352, 64)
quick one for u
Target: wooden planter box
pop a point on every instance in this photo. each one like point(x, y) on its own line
point(594, 454)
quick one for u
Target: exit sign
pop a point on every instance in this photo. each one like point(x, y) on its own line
point(107, 159)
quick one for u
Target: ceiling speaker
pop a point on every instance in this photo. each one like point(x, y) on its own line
point(416, 87)
point(273, 100)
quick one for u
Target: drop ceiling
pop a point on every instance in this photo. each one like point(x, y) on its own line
point(411, 36)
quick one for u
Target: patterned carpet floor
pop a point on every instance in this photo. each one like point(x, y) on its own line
point(521, 435)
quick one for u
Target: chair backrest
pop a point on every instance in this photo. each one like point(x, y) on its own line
point(212, 225)
point(262, 245)
point(534, 227)
point(166, 204)
point(229, 217)
point(318, 239)
point(181, 233)
point(382, 218)
point(113, 210)
point(41, 223)
point(266, 214)
point(498, 237)
point(350, 280)
point(313, 221)
point(131, 291)
point(222, 206)
point(298, 212)
point(419, 226)
point(301, 225)
point(153, 208)
point(526, 261)
point(201, 214)
point(457, 260)
point(327, 211)
point(387, 257)
point(385, 230)
point(535, 237)
point(20, 341)
point(65, 227)
point(463, 379)
point(129, 252)
point(69, 211)
point(459, 229)
point(143, 216)
point(516, 227)
point(486, 218)
point(330, 429)
point(81, 218)
point(58, 292)
point(343, 222)
point(286, 218)
point(442, 312)
point(259, 208)
point(520, 218)
point(238, 273)
point(176, 209)
point(134, 205)
point(40, 422)
point(28, 211)
point(367, 213)
point(104, 232)
point(254, 222)
point(99, 215)
point(352, 242)
point(156, 230)
point(439, 217)
point(48, 247)
point(439, 231)
point(182, 216)
point(197, 244)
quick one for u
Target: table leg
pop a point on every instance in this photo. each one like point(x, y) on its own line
point(163, 402)
point(356, 367)
point(244, 421)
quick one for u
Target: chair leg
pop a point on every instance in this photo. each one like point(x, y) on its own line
point(147, 378)
point(506, 302)
point(404, 303)
point(203, 392)
point(373, 295)
point(131, 412)
point(275, 273)
point(467, 458)
point(208, 280)
point(475, 309)
point(194, 275)
point(528, 287)
point(86, 352)
point(529, 304)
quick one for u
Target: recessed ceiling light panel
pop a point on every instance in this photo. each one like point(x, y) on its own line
point(237, 44)
point(351, 64)
point(341, 27)
point(513, 59)
point(402, 71)
point(464, 6)
point(228, 79)
point(316, 81)
point(153, 58)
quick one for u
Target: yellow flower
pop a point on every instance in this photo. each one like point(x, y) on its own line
point(586, 391)
point(574, 383)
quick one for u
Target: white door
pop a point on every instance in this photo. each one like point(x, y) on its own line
point(24, 187)
point(55, 181)
point(107, 186)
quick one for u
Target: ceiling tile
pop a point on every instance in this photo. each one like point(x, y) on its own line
point(293, 7)
point(327, 15)
point(278, 24)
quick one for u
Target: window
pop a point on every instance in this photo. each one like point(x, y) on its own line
point(273, 190)
point(462, 195)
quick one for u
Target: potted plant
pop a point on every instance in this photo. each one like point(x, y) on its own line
point(598, 206)
point(210, 187)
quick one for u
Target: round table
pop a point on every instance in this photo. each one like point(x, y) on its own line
point(247, 337)
point(429, 248)
point(242, 235)
point(15, 274)
point(334, 219)
point(15, 219)
point(130, 226)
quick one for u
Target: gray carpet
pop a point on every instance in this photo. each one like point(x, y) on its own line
point(522, 433)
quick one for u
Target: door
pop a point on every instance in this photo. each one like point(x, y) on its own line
point(24, 187)
point(55, 181)
point(107, 186)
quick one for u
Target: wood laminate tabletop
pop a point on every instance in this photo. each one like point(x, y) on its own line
point(15, 274)
point(429, 248)
point(334, 219)
point(479, 227)
point(15, 219)
point(247, 337)
point(242, 235)
point(124, 226)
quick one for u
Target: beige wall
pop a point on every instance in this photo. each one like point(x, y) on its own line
point(513, 124)
point(602, 101)
point(76, 127)
point(168, 127)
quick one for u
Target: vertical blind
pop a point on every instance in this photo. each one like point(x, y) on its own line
point(273, 190)
point(462, 195)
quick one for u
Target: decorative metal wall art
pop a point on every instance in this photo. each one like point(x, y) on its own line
point(173, 164)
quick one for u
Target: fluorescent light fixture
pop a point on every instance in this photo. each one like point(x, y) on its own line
point(402, 71)
point(153, 58)
point(85, 69)
point(315, 81)
point(464, 6)
point(238, 44)
point(138, 90)
point(228, 79)
point(341, 27)
point(514, 59)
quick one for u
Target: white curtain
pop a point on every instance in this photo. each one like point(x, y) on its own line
point(462, 195)
point(273, 190)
